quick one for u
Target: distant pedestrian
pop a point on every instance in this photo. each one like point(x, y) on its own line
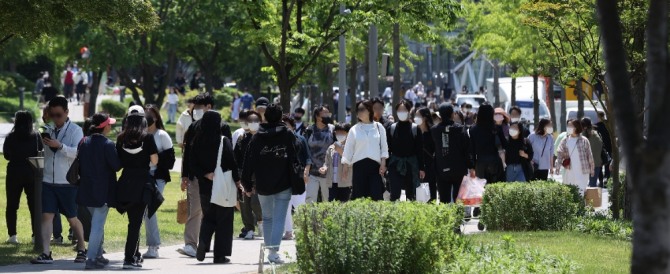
point(596, 143)
point(339, 185)
point(67, 81)
point(543, 156)
point(518, 155)
point(235, 107)
point(172, 104)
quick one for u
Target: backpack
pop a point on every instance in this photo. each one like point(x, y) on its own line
point(450, 151)
point(415, 130)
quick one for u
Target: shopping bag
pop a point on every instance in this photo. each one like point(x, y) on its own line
point(224, 190)
point(423, 193)
point(471, 191)
point(593, 196)
point(182, 210)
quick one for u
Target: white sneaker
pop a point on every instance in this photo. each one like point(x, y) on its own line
point(260, 229)
point(274, 258)
point(152, 253)
point(13, 240)
point(187, 251)
point(250, 235)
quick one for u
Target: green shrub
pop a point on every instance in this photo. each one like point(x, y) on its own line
point(114, 108)
point(10, 83)
point(622, 190)
point(528, 206)
point(507, 258)
point(377, 237)
point(9, 106)
point(600, 224)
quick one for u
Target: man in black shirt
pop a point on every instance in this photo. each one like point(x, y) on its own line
point(451, 154)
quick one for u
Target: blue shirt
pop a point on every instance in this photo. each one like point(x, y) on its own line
point(247, 99)
point(540, 144)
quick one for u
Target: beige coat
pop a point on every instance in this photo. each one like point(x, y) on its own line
point(343, 182)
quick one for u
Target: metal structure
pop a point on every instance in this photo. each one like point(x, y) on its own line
point(471, 72)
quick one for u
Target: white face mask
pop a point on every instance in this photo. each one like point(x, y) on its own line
point(549, 130)
point(341, 138)
point(570, 130)
point(198, 113)
point(513, 132)
point(418, 120)
point(402, 116)
point(253, 127)
point(498, 118)
point(244, 125)
point(516, 120)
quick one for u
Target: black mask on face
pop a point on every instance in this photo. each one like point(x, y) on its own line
point(150, 121)
point(298, 118)
point(327, 120)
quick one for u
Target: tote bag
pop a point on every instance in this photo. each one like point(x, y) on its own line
point(224, 191)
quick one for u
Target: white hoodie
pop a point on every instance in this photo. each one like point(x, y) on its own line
point(56, 164)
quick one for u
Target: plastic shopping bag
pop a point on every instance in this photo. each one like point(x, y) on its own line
point(423, 193)
point(471, 191)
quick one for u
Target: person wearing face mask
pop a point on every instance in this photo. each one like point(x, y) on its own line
point(406, 166)
point(250, 207)
point(319, 137)
point(486, 142)
point(159, 171)
point(244, 127)
point(502, 120)
point(542, 141)
point(469, 117)
point(339, 185)
point(424, 119)
point(303, 153)
point(575, 156)
point(515, 116)
point(517, 155)
point(205, 102)
point(300, 125)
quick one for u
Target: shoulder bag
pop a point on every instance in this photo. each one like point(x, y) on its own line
point(224, 190)
point(72, 175)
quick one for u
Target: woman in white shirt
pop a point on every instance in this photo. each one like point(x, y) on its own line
point(172, 100)
point(365, 154)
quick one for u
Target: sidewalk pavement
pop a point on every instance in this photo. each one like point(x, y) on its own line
point(243, 260)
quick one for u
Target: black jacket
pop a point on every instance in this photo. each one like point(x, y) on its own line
point(203, 161)
point(188, 138)
point(403, 143)
point(269, 157)
point(166, 161)
point(451, 161)
point(485, 143)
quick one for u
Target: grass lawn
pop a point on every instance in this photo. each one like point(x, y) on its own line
point(593, 254)
point(172, 233)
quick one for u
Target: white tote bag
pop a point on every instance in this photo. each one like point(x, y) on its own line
point(224, 191)
point(423, 193)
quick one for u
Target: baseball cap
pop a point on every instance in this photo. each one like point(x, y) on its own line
point(262, 102)
point(136, 111)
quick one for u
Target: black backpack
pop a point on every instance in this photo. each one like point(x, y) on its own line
point(451, 151)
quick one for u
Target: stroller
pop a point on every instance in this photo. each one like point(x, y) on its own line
point(470, 194)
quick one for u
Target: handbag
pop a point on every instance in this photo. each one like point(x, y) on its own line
point(182, 210)
point(224, 190)
point(566, 162)
point(72, 175)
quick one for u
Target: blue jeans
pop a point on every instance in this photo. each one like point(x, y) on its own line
point(274, 208)
point(151, 225)
point(515, 173)
point(593, 180)
point(172, 112)
point(98, 219)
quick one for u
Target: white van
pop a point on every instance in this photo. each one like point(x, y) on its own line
point(588, 112)
point(527, 111)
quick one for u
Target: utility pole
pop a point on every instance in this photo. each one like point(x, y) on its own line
point(373, 78)
point(342, 75)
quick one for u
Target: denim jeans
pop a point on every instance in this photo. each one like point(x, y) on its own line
point(515, 173)
point(172, 111)
point(151, 225)
point(274, 209)
point(98, 219)
point(593, 180)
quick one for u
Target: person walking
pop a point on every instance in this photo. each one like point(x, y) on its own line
point(98, 164)
point(596, 142)
point(576, 157)
point(203, 160)
point(339, 185)
point(304, 159)
point(406, 168)
point(607, 148)
point(319, 137)
point(20, 144)
point(160, 173)
point(424, 119)
point(365, 154)
point(137, 151)
point(273, 143)
point(250, 207)
point(451, 154)
point(235, 107)
point(543, 158)
point(58, 195)
point(172, 104)
point(518, 154)
point(486, 143)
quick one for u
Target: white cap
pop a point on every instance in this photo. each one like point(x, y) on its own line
point(136, 111)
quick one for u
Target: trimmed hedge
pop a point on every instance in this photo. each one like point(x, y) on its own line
point(377, 237)
point(114, 108)
point(507, 258)
point(529, 206)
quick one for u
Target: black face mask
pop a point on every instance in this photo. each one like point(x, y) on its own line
point(298, 118)
point(327, 120)
point(150, 121)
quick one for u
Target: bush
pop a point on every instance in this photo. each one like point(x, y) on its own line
point(377, 237)
point(528, 206)
point(507, 258)
point(114, 108)
point(10, 83)
point(9, 106)
point(622, 190)
point(602, 225)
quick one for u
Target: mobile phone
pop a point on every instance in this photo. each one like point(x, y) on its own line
point(45, 135)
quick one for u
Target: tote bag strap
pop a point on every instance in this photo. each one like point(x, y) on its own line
point(218, 156)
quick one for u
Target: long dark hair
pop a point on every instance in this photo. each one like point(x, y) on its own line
point(158, 120)
point(427, 116)
point(539, 130)
point(23, 124)
point(485, 116)
point(134, 131)
point(207, 131)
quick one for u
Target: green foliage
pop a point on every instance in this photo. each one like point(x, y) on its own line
point(377, 237)
point(114, 108)
point(603, 225)
point(528, 206)
point(622, 190)
point(10, 83)
point(506, 257)
point(10, 105)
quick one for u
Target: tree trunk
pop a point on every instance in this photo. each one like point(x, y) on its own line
point(366, 68)
point(496, 87)
point(513, 91)
point(126, 81)
point(648, 160)
point(552, 105)
point(168, 79)
point(396, 64)
point(95, 89)
point(580, 99)
point(353, 87)
point(536, 100)
point(564, 110)
point(284, 93)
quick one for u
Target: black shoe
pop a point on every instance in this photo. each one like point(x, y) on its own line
point(81, 256)
point(476, 212)
point(102, 260)
point(131, 265)
point(200, 254)
point(223, 260)
point(43, 259)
